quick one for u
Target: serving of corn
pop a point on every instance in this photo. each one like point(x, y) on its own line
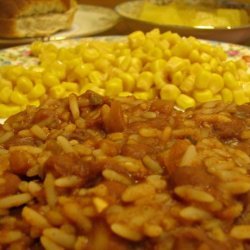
point(184, 70)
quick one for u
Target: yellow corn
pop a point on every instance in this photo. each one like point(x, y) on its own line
point(50, 79)
point(18, 98)
point(70, 86)
point(185, 101)
point(203, 95)
point(216, 83)
point(82, 70)
point(169, 92)
point(202, 80)
point(128, 81)
point(177, 78)
point(113, 87)
point(8, 110)
point(146, 65)
point(144, 95)
point(230, 81)
point(240, 97)
point(145, 81)
point(187, 84)
point(92, 87)
point(194, 56)
point(176, 64)
point(37, 91)
point(5, 94)
point(96, 77)
point(24, 84)
point(57, 91)
point(227, 95)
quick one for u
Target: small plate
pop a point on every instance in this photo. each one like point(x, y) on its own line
point(130, 12)
point(89, 20)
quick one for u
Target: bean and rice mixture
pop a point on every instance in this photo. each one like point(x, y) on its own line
point(96, 173)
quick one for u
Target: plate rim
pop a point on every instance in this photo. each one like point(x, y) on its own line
point(118, 7)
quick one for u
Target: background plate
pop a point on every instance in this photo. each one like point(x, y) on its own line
point(89, 20)
point(130, 12)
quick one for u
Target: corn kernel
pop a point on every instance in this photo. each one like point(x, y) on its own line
point(156, 52)
point(8, 110)
point(176, 64)
point(177, 78)
point(182, 48)
point(113, 87)
point(159, 80)
point(143, 95)
point(185, 102)
point(89, 54)
point(227, 95)
point(246, 88)
point(187, 84)
point(240, 97)
point(124, 62)
point(205, 58)
point(136, 64)
point(37, 47)
point(59, 69)
point(172, 38)
point(136, 39)
point(230, 81)
point(96, 78)
point(50, 79)
point(195, 69)
point(70, 86)
point(18, 98)
point(92, 87)
point(128, 81)
point(82, 70)
point(57, 91)
point(35, 103)
point(24, 84)
point(194, 56)
point(37, 91)
point(202, 79)
point(157, 65)
point(169, 92)
point(5, 83)
point(5, 94)
point(145, 81)
point(154, 34)
point(230, 66)
point(216, 83)
point(203, 95)
point(125, 94)
point(102, 64)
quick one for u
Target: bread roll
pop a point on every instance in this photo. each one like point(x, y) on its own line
point(34, 18)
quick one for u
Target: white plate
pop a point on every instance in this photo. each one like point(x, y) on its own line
point(89, 20)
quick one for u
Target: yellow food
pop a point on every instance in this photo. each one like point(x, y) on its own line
point(186, 71)
point(177, 13)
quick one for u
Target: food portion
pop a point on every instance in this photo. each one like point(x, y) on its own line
point(93, 172)
point(184, 70)
point(35, 18)
point(182, 14)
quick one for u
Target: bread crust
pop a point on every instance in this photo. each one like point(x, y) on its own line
point(32, 18)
